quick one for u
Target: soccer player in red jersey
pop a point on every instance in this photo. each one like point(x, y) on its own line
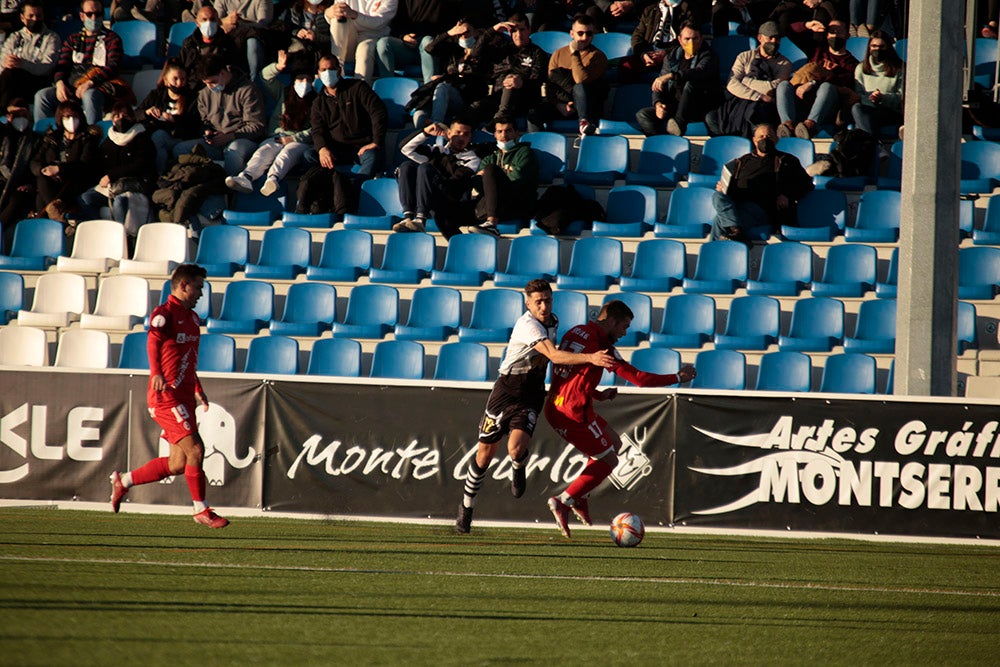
point(570, 410)
point(174, 330)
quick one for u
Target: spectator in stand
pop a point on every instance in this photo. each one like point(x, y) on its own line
point(232, 116)
point(63, 165)
point(762, 189)
point(348, 125)
point(412, 28)
point(461, 86)
point(558, 15)
point(688, 86)
point(171, 112)
point(310, 30)
point(355, 28)
point(17, 145)
point(289, 81)
point(621, 15)
point(28, 57)
point(822, 86)
point(207, 40)
point(87, 69)
point(156, 11)
point(9, 10)
point(127, 162)
point(577, 86)
point(755, 75)
point(657, 32)
point(247, 22)
point(804, 21)
point(867, 14)
point(436, 180)
point(508, 180)
point(515, 66)
point(748, 14)
point(878, 81)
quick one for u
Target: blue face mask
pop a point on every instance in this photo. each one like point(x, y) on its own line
point(329, 77)
point(506, 145)
point(90, 25)
point(217, 88)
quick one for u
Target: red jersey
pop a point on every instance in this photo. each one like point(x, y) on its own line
point(172, 345)
point(572, 388)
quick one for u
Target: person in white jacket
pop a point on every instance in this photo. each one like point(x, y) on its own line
point(355, 27)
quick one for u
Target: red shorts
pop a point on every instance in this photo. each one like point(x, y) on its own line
point(177, 421)
point(593, 438)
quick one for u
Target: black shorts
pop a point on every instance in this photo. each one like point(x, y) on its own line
point(514, 403)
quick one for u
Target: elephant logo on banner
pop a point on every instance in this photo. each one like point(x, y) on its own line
point(218, 431)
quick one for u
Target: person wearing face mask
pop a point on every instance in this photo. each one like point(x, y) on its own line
point(804, 21)
point(507, 180)
point(17, 143)
point(878, 81)
point(206, 40)
point(63, 164)
point(308, 25)
point(232, 116)
point(290, 84)
point(170, 112)
point(688, 86)
point(348, 127)
point(463, 83)
point(127, 164)
point(28, 56)
point(819, 88)
point(355, 28)
point(755, 76)
point(758, 190)
point(656, 34)
point(514, 65)
point(87, 70)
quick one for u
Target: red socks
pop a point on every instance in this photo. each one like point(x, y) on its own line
point(595, 472)
point(195, 478)
point(153, 471)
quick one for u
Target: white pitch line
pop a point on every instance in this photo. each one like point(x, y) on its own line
point(495, 575)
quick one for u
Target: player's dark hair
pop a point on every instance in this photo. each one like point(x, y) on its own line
point(187, 272)
point(616, 310)
point(537, 285)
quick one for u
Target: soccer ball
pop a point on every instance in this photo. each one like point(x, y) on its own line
point(627, 530)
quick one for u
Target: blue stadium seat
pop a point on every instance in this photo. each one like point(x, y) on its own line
point(273, 355)
point(849, 373)
point(817, 325)
point(310, 309)
point(789, 49)
point(990, 233)
point(966, 217)
point(753, 323)
point(658, 266)
point(223, 250)
point(688, 322)
point(203, 307)
point(631, 212)
point(435, 314)
point(878, 218)
point(494, 313)
point(980, 167)
point(530, 257)
point(894, 171)
point(727, 47)
point(574, 228)
point(601, 161)
point(408, 259)
point(247, 307)
point(642, 320)
point(372, 312)
point(849, 270)
point(720, 369)
point(626, 101)
point(985, 62)
point(571, 308)
point(470, 260)
point(550, 149)
point(395, 91)
point(858, 46)
point(175, 38)
point(400, 359)
point(663, 161)
point(966, 327)
point(138, 44)
point(900, 47)
point(888, 289)
point(378, 206)
point(248, 218)
point(978, 272)
point(216, 353)
point(318, 220)
point(463, 362)
point(660, 360)
point(801, 148)
point(594, 264)
point(721, 268)
point(284, 254)
point(143, 83)
point(615, 45)
point(716, 152)
point(37, 243)
point(785, 270)
point(784, 371)
point(339, 357)
point(133, 352)
point(346, 255)
point(689, 214)
point(550, 41)
point(820, 215)
point(11, 295)
point(875, 329)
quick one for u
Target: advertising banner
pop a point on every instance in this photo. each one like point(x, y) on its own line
point(905, 468)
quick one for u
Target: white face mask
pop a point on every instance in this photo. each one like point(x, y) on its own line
point(208, 29)
point(506, 145)
point(71, 124)
point(329, 77)
point(90, 25)
point(467, 42)
point(301, 88)
point(20, 123)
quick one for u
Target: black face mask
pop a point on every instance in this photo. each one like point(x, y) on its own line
point(123, 124)
point(34, 26)
point(765, 146)
point(176, 90)
point(770, 49)
point(836, 43)
point(877, 56)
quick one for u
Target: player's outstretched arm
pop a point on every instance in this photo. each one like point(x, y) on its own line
point(644, 379)
point(601, 358)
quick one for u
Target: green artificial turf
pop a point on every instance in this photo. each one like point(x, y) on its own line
point(89, 588)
